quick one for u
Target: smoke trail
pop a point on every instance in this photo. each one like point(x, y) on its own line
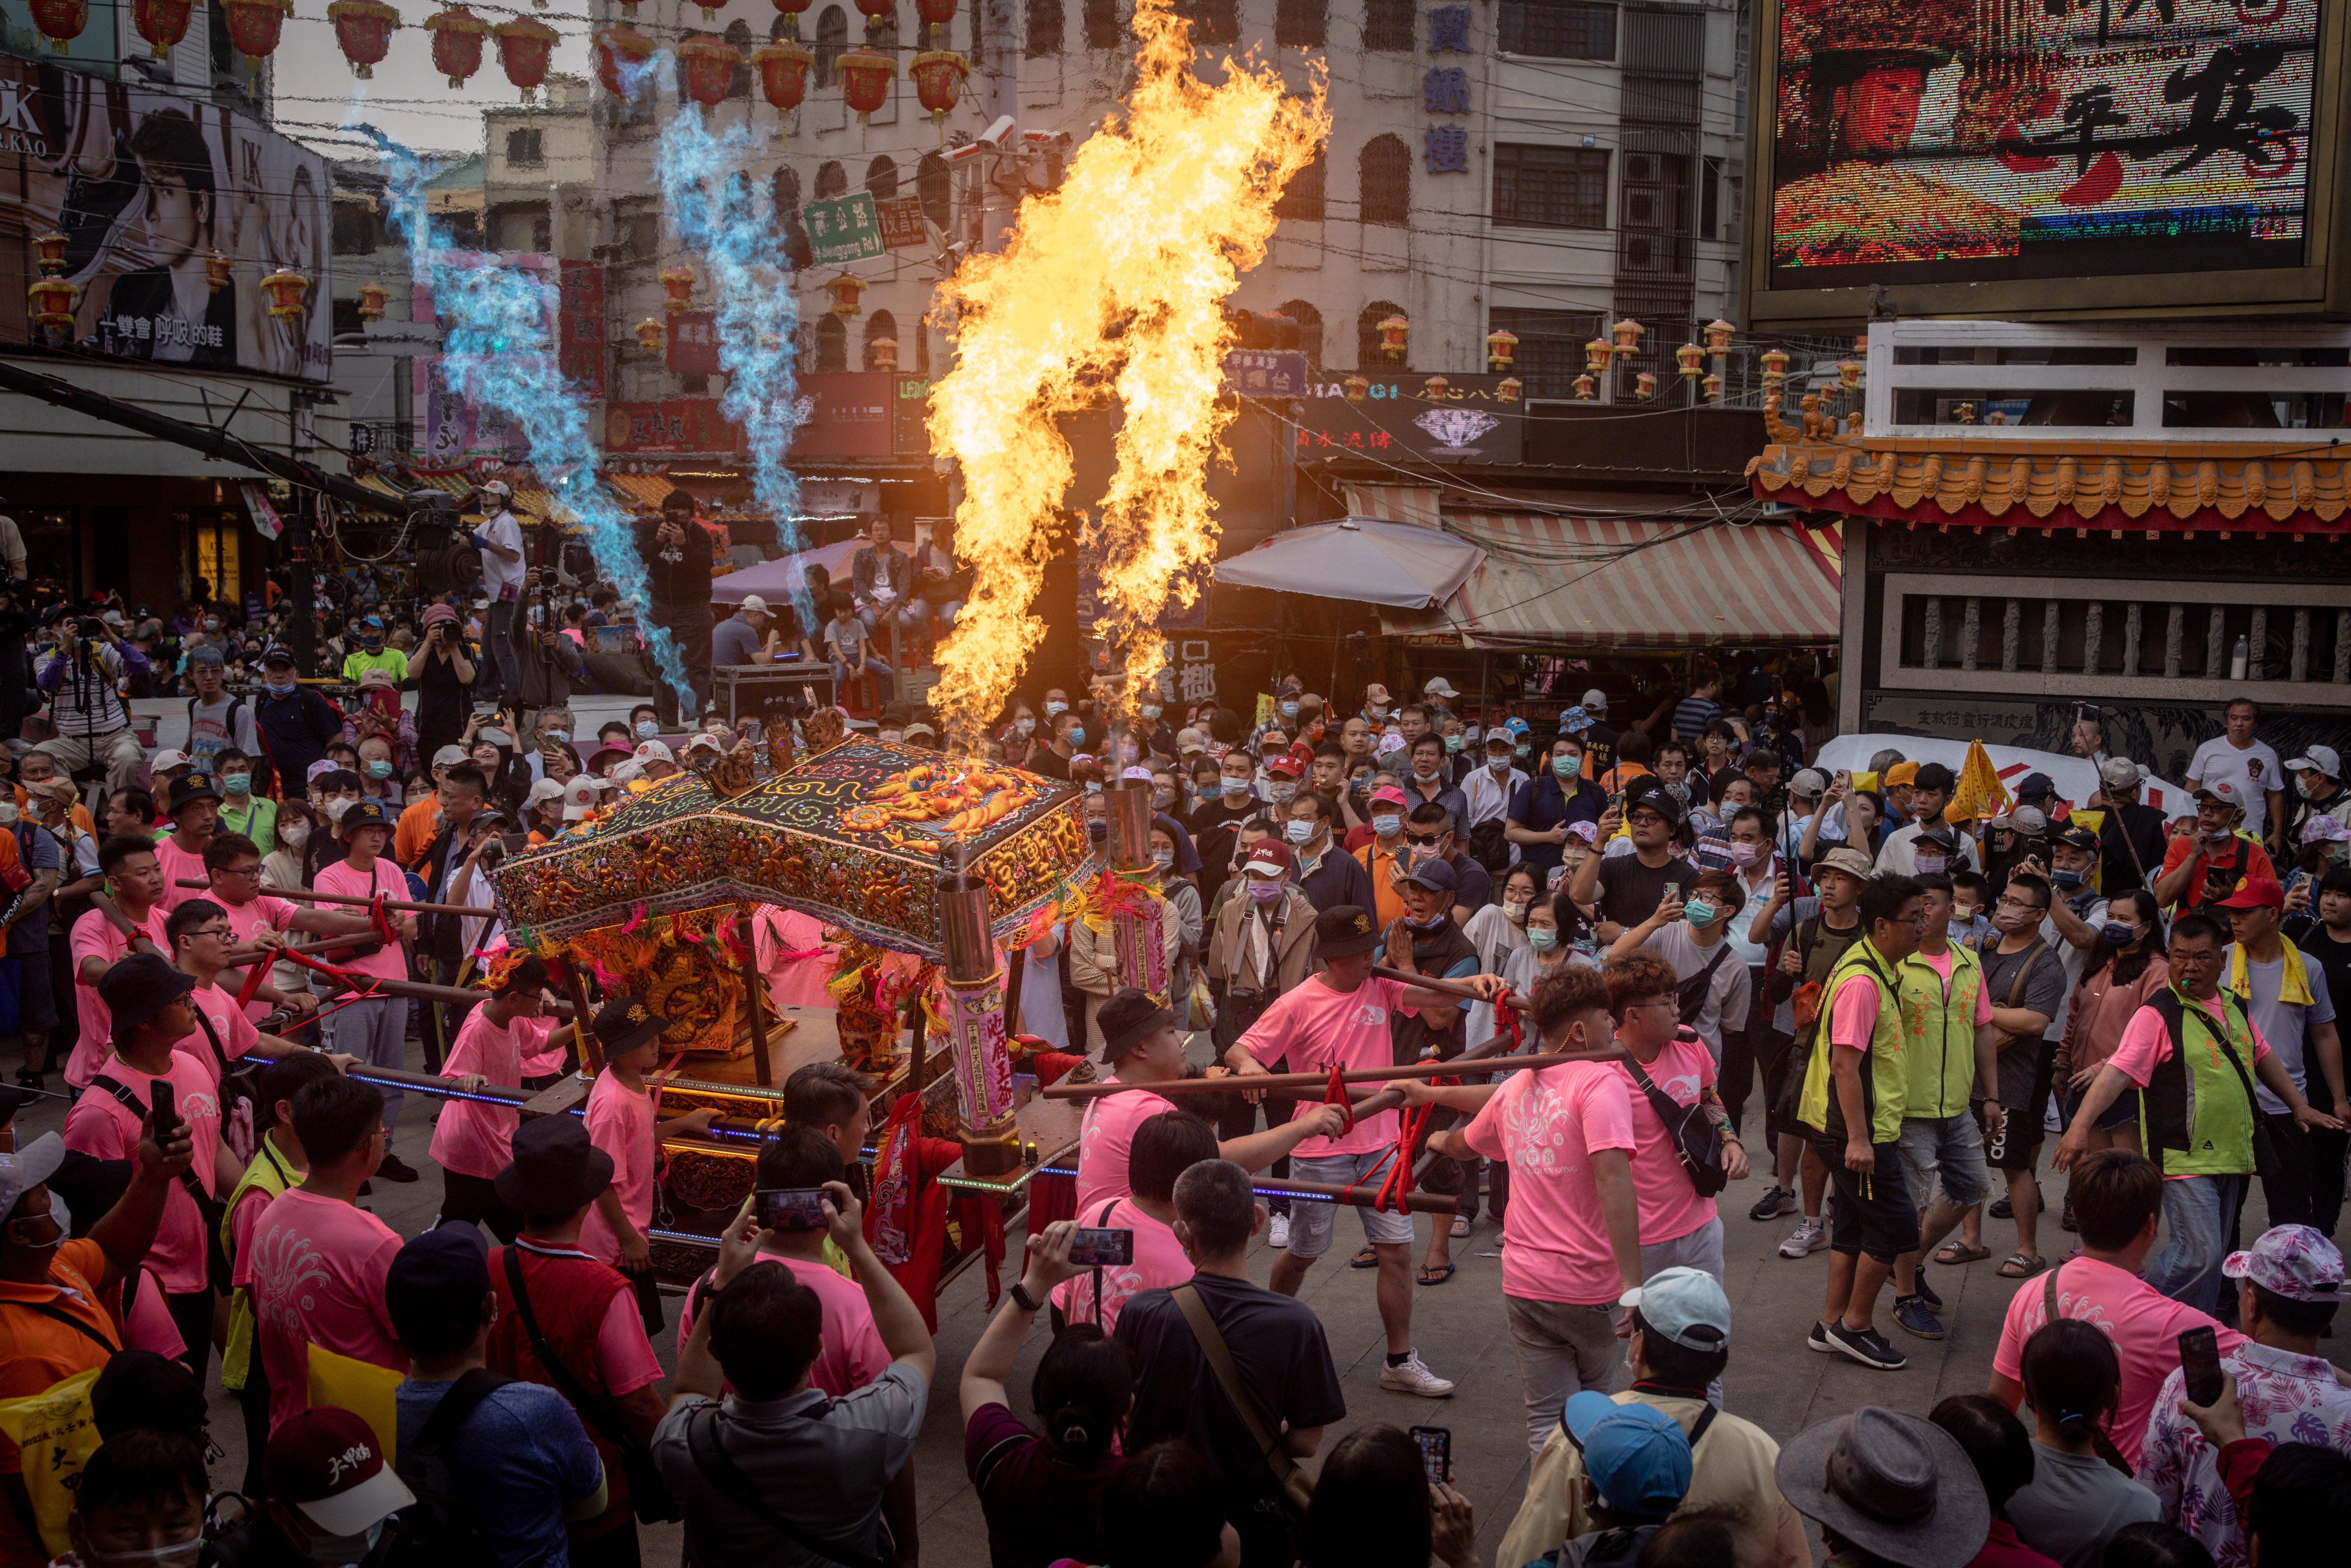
point(498, 351)
point(737, 233)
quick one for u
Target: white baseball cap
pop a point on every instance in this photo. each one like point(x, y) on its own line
point(449, 756)
point(165, 760)
point(754, 605)
point(2228, 791)
point(579, 796)
point(28, 1169)
point(2326, 759)
point(653, 751)
point(1594, 700)
point(1438, 686)
point(543, 792)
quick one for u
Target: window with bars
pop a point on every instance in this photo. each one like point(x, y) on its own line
point(831, 344)
point(1301, 24)
point(739, 33)
point(1310, 329)
point(1389, 27)
point(1101, 21)
point(1213, 21)
point(1045, 26)
point(1549, 353)
point(832, 180)
point(1384, 181)
point(935, 189)
point(831, 43)
point(1559, 29)
point(882, 178)
point(1551, 188)
point(1302, 198)
point(1369, 355)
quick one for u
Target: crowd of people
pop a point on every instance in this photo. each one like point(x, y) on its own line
point(1905, 1000)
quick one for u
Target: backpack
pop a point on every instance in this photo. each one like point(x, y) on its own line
point(436, 1531)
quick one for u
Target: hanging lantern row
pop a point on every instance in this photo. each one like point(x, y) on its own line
point(652, 335)
point(708, 62)
point(783, 69)
point(217, 268)
point(162, 23)
point(1500, 344)
point(884, 353)
point(1849, 374)
point(1358, 387)
point(865, 77)
point(60, 22)
point(620, 51)
point(1508, 388)
point(1712, 386)
point(938, 76)
point(879, 15)
point(524, 47)
point(791, 10)
point(1584, 388)
point(937, 14)
point(1718, 336)
point(1596, 355)
point(53, 300)
point(254, 25)
point(1434, 388)
point(844, 287)
point(49, 253)
point(363, 30)
point(1395, 331)
point(677, 289)
point(287, 290)
point(1687, 358)
point(1644, 385)
point(457, 35)
point(1775, 367)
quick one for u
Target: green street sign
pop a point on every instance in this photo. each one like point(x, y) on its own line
point(844, 228)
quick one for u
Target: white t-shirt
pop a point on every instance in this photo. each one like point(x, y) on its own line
point(499, 574)
point(2255, 771)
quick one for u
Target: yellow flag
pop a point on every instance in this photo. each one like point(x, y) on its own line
point(361, 1387)
point(1979, 793)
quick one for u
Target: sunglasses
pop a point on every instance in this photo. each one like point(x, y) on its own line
point(1436, 838)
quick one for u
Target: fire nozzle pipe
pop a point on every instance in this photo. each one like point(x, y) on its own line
point(973, 994)
point(1127, 805)
point(964, 930)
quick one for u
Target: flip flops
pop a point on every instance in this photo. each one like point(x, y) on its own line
point(1367, 1259)
point(1961, 1252)
point(2020, 1265)
point(1437, 1275)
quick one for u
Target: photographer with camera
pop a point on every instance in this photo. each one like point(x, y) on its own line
point(444, 674)
point(83, 679)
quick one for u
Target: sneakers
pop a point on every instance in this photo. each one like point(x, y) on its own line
point(394, 1169)
point(1809, 1236)
point(1412, 1377)
point(1819, 1340)
point(1915, 1317)
point(1776, 1201)
point(1276, 1232)
point(1927, 1292)
point(1866, 1346)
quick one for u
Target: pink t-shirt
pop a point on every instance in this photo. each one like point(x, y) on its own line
point(261, 913)
point(776, 934)
point(179, 865)
point(94, 937)
point(1853, 1015)
point(852, 1353)
point(620, 1123)
point(389, 962)
point(1547, 1124)
point(236, 1031)
point(148, 1326)
point(1670, 1207)
point(1105, 1136)
point(2147, 1044)
point(473, 1138)
point(101, 1125)
point(2144, 1324)
point(317, 1269)
point(1314, 1029)
point(1159, 1263)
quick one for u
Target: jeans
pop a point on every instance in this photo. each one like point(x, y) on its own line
point(1951, 1146)
point(885, 678)
point(495, 633)
point(376, 1031)
point(1562, 1349)
point(948, 611)
point(1700, 1249)
point(907, 617)
point(2197, 1211)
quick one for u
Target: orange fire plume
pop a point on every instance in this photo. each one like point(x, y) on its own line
point(1113, 284)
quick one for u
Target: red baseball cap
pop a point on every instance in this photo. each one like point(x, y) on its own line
point(2256, 893)
point(1270, 856)
point(1283, 765)
point(327, 1462)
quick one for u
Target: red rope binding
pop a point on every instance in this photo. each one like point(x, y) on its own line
point(1335, 1093)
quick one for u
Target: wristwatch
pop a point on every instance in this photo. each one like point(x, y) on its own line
point(1024, 1301)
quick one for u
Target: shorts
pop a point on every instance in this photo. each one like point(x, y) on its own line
point(1951, 1146)
point(2025, 1071)
point(1878, 1219)
point(2121, 1113)
point(1311, 1223)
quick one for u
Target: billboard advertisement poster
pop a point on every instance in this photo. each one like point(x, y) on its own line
point(678, 424)
point(846, 413)
point(1929, 142)
point(693, 343)
point(1400, 415)
point(153, 193)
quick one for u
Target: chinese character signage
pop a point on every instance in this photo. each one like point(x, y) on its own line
point(901, 218)
point(680, 424)
point(1265, 372)
point(693, 343)
point(1959, 142)
point(1406, 415)
point(845, 414)
point(148, 189)
point(910, 417)
point(581, 325)
point(845, 228)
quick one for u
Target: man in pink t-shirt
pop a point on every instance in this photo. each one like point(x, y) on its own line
point(319, 1259)
point(1164, 1147)
point(1572, 1234)
point(194, 811)
point(2116, 1196)
point(136, 885)
point(1340, 1018)
point(375, 1030)
point(472, 1140)
point(233, 864)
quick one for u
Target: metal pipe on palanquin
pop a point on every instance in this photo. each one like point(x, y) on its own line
point(972, 987)
point(1139, 913)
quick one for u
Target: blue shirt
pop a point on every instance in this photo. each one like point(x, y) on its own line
point(520, 1461)
point(732, 641)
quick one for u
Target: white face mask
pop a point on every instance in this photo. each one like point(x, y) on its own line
point(1387, 827)
point(295, 834)
point(343, 1549)
point(1236, 789)
point(1281, 793)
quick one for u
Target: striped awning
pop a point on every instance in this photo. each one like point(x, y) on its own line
point(1397, 503)
point(1559, 581)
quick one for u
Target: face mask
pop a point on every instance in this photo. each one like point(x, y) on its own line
point(2065, 879)
point(1542, 938)
point(295, 834)
point(1152, 712)
point(2302, 788)
point(1700, 914)
point(1289, 710)
point(1566, 765)
point(1282, 794)
point(1264, 891)
point(237, 783)
point(1375, 711)
point(1430, 776)
point(2115, 935)
point(1162, 798)
point(8, 813)
point(379, 769)
point(1452, 742)
point(1523, 750)
point(1514, 912)
point(1963, 914)
point(1165, 858)
point(1434, 923)
point(1387, 827)
point(211, 625)
point(893, 735)
point(63, 1216)
point(648, 731)
point(1298, 832)
point(1055, 710)
point(335, 808)
point(1236, 789)
point(1077, 736)
point(1093, 787)
point(343, 1549)
point(1024, 726)
point(1097, 831)
point(277, 688)
point(558, 736)
point(1498, 764)
point(1931, 865)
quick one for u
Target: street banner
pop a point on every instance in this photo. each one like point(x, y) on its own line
point(844, 228)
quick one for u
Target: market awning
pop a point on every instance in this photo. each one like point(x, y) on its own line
point(1369, 559)
point(1558, 582)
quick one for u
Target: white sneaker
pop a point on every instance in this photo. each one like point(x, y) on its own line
point(1276, 1232)
point(1412, 1377)
point(1809, 1236)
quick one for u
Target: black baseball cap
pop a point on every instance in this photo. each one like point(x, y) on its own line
point(436, 1278)
point(1344, 929)
point(625, 1023)
point(1126, 1019)
point(365, 814)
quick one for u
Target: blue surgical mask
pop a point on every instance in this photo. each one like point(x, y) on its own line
point(1289, 710)
point(648, 731)
point(1387, 827)
point(1151, 712)
point(1452, 742)
point(237, 783)
point(560, 736)
point(1077, 736)
point(1700, 914)
point(2115, 935)
point(1298, 832)
point(1542, 938)
point(379, 769)
point(2065, 879)
point(277, 688)
point(1434, 923)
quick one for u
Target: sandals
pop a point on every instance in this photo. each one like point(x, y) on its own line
point(1438, 1274)
point(1957, 1251)
point(1367, 1259)
point(2020, 1265)
point(1460, 1226)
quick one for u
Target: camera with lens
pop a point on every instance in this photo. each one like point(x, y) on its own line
point(90, 627)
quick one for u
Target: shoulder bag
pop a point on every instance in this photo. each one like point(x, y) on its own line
point(208, 1208)
point(1690, 995)
point(649, 1497)
point(1696, 1140)
point(1296, 1484)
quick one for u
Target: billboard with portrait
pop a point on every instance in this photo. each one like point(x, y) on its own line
point(148, 189)
point(2026, 156)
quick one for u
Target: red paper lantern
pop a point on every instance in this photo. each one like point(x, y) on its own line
point(49, 253)
point(886, 353)
point(844, 287)
point(53, 300)
point(254, 25)
point(161, 22)
point(524, 46)
point(1509, 389)
point(865, 77)
point(1500, 344)
point(620, 51)
point(879, 15)
point(1434, 388)
point(937, 14)
point(61, 21)
point(371, 298)
point(1358, 387)
point(650, 335)
point(363, 30)
point(286, 289)
point(457, 36)
point(791, 10)
point(677, 289)
point(1395, 332)
point(217, 268)
point(709, 61)
point(937, 76)
point(783, 73)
